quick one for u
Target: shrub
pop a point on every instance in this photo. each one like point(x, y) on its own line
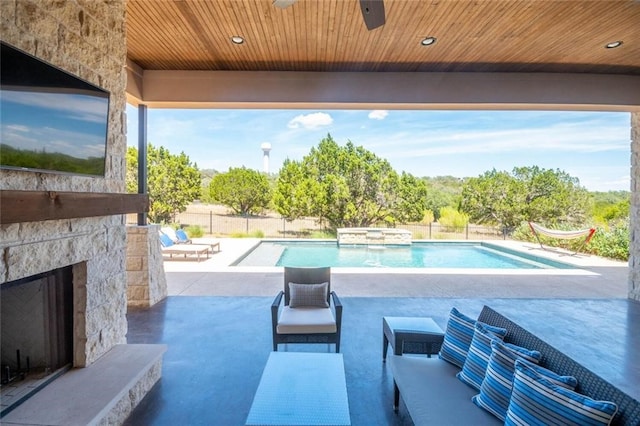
point(323, 235)
point(612, 241)
point(253, 234)
point(194, 231)
point(428, 217)
point(523, 233)
point(452, 220)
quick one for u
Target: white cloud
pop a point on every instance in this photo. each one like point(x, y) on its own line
point(81, 107)
point(310, 121)
point(378, 114)
point(17, 128)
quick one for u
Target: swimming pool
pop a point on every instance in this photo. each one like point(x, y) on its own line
point(418, 255)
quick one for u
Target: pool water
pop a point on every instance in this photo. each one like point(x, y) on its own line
point(418, 255)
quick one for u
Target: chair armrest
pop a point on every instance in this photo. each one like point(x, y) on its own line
point(433, 339)
point(277, 300)
point(274, 309)
point(338, 308)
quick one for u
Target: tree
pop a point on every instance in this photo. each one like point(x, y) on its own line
point(206, 175)
point(244, 190)
point(291, 196)
point(611, 205)
point(547, 196)
point(442, 191)
point(552, 196)
point(348, 187)
point(173, 181)
point(494, 198)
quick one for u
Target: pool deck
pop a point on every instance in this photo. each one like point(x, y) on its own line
point(218, 346)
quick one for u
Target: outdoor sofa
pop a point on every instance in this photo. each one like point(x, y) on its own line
point(433, 395)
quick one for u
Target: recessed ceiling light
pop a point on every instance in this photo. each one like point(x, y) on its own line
point(613, 44)
point(237, 40)
point(428, 41)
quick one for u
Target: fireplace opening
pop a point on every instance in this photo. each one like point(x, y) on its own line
point(36, 336)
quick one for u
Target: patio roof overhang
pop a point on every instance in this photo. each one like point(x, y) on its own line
point(370, 90)
point(494, 54)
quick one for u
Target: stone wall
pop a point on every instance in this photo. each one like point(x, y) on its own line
point(146, 281)
point(85, 38)
point(374, 236)
point(634, 248)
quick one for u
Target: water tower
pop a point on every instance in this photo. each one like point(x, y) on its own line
point(266, 147)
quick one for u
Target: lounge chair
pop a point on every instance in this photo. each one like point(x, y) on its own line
point(170, 248)
point(178, 236)
point(183, 238)
point(211, 242)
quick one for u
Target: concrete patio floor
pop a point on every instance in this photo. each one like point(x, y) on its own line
point(216, 323)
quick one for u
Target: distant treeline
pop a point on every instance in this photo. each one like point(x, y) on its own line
point(24, 158)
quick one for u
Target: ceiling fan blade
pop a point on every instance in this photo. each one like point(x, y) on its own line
point(283, 4)
point(373, 13)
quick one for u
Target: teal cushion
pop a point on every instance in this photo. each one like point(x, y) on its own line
point(457, 338)
point(182, 236)
point(165, 240)
point(475, 365)
point(535, 400)
point(495, 390)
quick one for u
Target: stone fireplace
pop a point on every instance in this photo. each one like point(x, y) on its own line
point(85, 39)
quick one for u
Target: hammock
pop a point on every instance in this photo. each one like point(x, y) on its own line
point(562, 235)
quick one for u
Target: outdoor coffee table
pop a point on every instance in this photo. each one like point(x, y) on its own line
point(301, 388)
point(414, 335)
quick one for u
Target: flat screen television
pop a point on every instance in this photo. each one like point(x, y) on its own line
point(50, 120)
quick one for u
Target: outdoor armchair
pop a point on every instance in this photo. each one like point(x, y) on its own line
point(306, 310)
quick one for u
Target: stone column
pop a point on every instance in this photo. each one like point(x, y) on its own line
point(146, 282)
point(634, 246)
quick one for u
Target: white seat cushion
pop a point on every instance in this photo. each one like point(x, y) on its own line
point(306, 320)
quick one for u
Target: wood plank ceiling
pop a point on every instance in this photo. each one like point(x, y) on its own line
point(330, 35)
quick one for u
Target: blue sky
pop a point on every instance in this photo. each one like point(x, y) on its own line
point(72, 124)
point(592, 146)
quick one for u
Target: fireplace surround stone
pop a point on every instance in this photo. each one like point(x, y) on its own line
point(86, 39)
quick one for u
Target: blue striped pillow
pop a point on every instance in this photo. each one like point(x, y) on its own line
point(568, 382)
point(495, 390)
point(457, 338)
point(475, 366)
point(537, 401)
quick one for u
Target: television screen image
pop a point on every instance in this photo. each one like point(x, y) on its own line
point(50, 121)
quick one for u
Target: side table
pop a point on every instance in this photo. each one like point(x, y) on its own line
point(415, 335)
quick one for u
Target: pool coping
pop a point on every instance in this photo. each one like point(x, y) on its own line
point(234, 249)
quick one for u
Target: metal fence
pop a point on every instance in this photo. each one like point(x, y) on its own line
point(270, 226)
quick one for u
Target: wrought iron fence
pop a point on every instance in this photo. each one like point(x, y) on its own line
point(215, 223)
